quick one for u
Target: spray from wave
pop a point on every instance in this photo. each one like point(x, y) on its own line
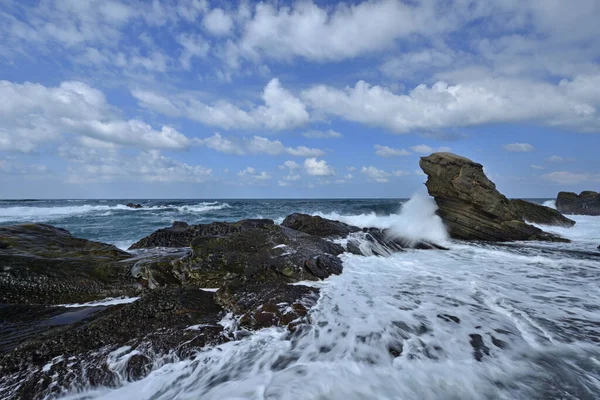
point(550, 203)
point(416, 220)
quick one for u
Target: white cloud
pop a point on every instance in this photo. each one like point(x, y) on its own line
point(303, 151)
point(539, 167)
point(328, 134)
point(375, 174)
point(108, 165)
point(348, 176)
point(569, 104)
point(317, 168)
point(281, 109)
point(558, 160)
point(400, 173)
point(192, 46)
point(385, 151)
point(32, 114)
point(252, 176)
point(571, 178)
point(422, 148)
point(289, 164)
point(519, 147)
point(218, 22)
point(351, 169)
point(256, 145)
point(223, 145)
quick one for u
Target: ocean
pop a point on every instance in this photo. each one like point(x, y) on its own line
point(479, 321)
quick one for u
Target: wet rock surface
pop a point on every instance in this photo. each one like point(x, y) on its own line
point(473, 209)
point(181, 234)
point(46, 265)
point(584, 203)
point(251, 266)
point(318, 226)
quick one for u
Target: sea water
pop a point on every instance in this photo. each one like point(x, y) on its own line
point(492, 321)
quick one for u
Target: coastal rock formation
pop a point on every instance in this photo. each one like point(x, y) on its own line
point(133, 205)
point(538, 214)
point(318, 226)
point(46, 265)
point(473, 209)
point(586, 203)
point(265, 252)
point(181, 234)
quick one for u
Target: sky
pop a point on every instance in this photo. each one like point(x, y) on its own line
point(206, 99)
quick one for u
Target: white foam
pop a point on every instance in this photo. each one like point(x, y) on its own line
point(416, 220)
point(109, 301)
point(39, 214)
point(550, 203)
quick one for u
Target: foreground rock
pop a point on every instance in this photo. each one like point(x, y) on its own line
point(258, 252)
point(586, 203)
point(473, 209)
point(181, 234)
point(46, 265)
point(361, 241)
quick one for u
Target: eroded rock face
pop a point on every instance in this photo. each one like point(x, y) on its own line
point(181, 234)
point(584, 203)
point(538, 214)
point(473, 209)
point(46, 265)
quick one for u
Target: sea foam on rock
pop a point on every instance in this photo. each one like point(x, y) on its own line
point(473, 209)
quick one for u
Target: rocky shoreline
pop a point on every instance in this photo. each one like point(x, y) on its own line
point(202, 285)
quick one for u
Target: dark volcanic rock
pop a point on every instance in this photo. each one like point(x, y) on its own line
point(133, 205)
point(270, 252)
point(586, 203)
point(43, 264)
point(77, 355)
point(473, 209)
point(318, 226)
point(262, 306)
point(361, 241)
point(181, 234)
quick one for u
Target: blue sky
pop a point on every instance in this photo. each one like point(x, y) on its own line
point(203, 99)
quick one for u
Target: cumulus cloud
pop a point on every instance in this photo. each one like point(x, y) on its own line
point(281, 109)
point(256, 145)
point(109, 165)
point(252, 176)
point(424, 149)
point(328, 134)
point(375, 174)
point(569, 104)
point(385, 151)
point(217, 22)
point(192, 46)
point(315, 167)
point(534, 166)
point(558, 160)
point(571, 178)
point(519, 147)
point(32, 114)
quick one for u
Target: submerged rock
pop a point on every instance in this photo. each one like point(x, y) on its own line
point(473, 209)
point(586, 203)
point(181, 234)
point(46, 265)
point(133, 205)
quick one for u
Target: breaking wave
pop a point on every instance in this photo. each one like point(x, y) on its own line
point(41, 214)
